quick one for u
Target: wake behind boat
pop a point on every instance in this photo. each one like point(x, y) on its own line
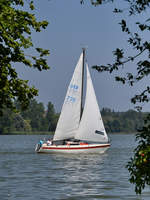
point(78, 131)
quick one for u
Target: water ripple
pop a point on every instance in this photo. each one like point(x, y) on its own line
point(25, 175)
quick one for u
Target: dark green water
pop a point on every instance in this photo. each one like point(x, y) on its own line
point(25, 175)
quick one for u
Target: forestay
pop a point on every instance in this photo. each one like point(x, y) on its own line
point(70, 115)
point(91, 126)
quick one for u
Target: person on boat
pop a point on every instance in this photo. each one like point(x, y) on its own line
point(40, 143)
point(49, 142)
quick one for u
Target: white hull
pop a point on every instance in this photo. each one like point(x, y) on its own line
point(90, 148)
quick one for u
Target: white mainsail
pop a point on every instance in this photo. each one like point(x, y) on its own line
point(69, 118)
point(91, 126)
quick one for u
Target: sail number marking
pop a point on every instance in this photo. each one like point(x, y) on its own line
point(74, 87)
point(71, 99)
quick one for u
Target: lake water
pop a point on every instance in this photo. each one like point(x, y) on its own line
point(26, 175)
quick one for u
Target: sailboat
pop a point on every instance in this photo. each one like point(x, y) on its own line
point(78, 130)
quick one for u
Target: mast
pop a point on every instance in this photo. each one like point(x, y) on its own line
point(83, 49)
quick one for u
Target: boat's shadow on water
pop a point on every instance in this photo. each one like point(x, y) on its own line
point(78, 156)
point(79, 161)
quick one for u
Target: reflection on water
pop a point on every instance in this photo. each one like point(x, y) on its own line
point(25, 175)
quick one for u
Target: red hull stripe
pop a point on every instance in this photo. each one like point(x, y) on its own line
point(75, 148)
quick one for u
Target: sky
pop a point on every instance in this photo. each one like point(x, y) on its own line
point(71, 27)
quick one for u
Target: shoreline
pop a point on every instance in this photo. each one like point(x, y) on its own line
point(29, 133)
point(51, 133)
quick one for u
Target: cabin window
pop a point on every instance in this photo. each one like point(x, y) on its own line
point(99, 132)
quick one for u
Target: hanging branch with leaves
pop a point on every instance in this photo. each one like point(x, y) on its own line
point(16, 27)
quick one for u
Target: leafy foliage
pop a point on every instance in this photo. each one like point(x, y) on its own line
point(139, 165)
point(16, 26)
point(35, 114)
point(122, 122)
point(35, 118)
point(51, 117)
point(97, 2)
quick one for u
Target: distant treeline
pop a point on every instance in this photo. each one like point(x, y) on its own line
point(122, 122)
point(36, 119)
